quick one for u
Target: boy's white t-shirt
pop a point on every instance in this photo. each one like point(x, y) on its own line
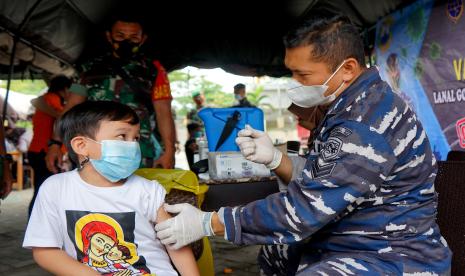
point(108, 228)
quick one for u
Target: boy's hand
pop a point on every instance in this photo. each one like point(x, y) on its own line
point(166, 161)
point(189, 225)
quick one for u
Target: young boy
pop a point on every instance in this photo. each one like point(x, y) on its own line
point(98, 219)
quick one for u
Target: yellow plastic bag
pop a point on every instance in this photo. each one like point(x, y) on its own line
point(185, 181)
point(176, 179)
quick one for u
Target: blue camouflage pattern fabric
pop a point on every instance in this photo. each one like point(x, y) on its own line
point(365, 202)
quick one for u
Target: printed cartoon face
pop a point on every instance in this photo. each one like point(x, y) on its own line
point(115, 254)
point(101, 244)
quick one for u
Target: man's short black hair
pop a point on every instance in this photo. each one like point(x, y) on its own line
point(334, 39)
point(127, 16)
point(59, 83)
point(239, 86)
point(84, 120)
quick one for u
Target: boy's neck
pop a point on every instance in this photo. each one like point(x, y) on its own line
point(92, 177)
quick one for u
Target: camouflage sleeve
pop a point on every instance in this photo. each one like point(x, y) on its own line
point(78, 89)
point(79, 85)
point(298, 164)
point(350, 166)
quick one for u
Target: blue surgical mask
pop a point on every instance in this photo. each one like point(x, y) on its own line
point(198, 134)
point(119, 159)
point(238, 97)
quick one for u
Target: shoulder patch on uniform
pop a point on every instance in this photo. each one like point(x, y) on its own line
point(331, 148)
point(318, 170)
point(341, 131)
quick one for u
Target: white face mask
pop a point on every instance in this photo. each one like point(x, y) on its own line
point(312, 95)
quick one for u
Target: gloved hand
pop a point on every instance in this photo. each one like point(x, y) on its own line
point(189, 225)
point(257, 147)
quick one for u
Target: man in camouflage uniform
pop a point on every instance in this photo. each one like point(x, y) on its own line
point(127, 76)
point(193, 115)
point(363, 201)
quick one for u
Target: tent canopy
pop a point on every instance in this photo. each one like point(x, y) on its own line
point(242, 37)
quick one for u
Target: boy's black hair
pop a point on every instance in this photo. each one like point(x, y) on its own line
point(334, 39)
point(84, 120)
point(59, 83)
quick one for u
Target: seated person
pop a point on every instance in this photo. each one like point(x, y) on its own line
point(98, 219)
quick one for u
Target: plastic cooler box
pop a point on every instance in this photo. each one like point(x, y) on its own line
point(216, 118)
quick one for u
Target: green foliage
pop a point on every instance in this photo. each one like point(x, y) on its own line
point(23, 124)
point(212, 92)
point(177, 76)
point(30, 87)
point(256, 98)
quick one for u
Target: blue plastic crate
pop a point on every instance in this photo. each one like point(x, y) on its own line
point(215, 120)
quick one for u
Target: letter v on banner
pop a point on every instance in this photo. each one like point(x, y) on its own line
point(458, 68)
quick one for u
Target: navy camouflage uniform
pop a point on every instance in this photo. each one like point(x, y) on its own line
point(364, 203)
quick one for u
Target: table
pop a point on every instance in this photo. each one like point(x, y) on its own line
point(234, 192)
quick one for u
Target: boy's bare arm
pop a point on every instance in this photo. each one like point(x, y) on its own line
point(182, 258)
point(56, 261)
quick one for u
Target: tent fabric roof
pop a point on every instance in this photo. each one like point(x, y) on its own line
point(242, 37)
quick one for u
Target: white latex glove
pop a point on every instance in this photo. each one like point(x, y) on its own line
point(257, 147)
point(191, 224)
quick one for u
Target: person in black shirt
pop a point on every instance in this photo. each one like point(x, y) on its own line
point(240, 96)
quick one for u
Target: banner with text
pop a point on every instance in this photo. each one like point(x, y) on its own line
point(420, 52)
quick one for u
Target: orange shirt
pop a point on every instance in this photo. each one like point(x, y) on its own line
point(43, 124)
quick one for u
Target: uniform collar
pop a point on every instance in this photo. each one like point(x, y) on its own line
point(361, 84)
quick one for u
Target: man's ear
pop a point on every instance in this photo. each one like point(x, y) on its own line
point(79, 146)
point(351, 70)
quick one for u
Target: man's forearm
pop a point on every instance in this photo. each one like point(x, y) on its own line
point(40, 104)
point(56, 132)
point(217, 225)
point(284, 170)
point(165, 124)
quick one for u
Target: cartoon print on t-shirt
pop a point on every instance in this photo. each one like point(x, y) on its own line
point(101, 242)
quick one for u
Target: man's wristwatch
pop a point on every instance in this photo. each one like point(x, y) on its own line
point(54, 142)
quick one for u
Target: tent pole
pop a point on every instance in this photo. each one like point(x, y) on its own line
point(10, 74)
point(12, 58)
